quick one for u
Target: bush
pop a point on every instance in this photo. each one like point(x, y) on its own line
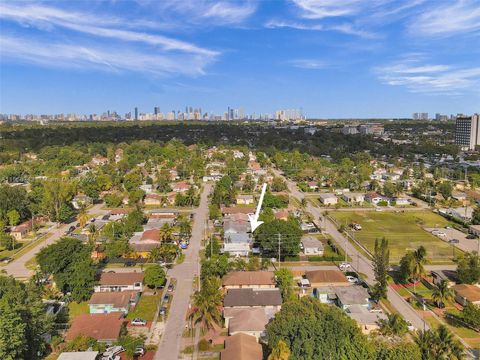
point(292, 258)
point(203, 345)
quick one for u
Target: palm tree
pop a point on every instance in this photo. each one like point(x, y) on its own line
point(442, 293)
point(393, 325)
point(207, 304)
point(418, 262)
point(92, 233)
point(166, 232)
point(82, 216)
point(280, 352)
point(426, 341)
point(439, 345)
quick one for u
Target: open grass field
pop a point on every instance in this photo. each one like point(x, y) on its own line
point(404, 232)
point(146, 307)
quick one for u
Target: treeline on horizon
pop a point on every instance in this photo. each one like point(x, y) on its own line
point(326, 141)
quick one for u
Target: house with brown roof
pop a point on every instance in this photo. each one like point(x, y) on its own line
point(249, 279)
point(281, 215)
point(181, 187)
point(153, 200)
point(108, 302)
point(321, 278)
point(241, 347)
point(270, 299)
point(465, 293)
point(237, 210)
point(102, 327)
point(244, 199)
point(20, 231)
point(125, 281)
point(246, 321)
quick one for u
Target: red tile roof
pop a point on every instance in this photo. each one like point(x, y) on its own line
point(102, 327)
point(129, 278)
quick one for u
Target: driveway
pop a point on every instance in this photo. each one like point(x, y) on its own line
point(464, 244)
point(169, 348)
point(18, 268)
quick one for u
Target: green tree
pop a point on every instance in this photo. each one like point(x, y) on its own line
point(445, 188)
point(439, 344)
point(284, 280)
point(287, 234)
point(389, 189)
point(468, 268)
point(56, 195)
point(278, 184)
point(313, 330)
point(215, 266)
point(442, 293)
point(207, 304)
point(23, 321)
point(212, 248)
point(113, 200)
point(280, 352)
point(13, 217)
point(381, 263)
point(82, 216)
point(393, 325)
point(155, 276)
point(164, 252)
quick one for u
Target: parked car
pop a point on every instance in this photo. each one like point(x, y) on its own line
point(183, 245)
point(71, 229)
point(163, 310)
point(453, 241)
point(139, 351)
point(114, 350)
point(471, 236)
point(6, 260)
point(138, 322)
point(171, 287)
point(106, 217)
point(352, 279)
point(166, 298)
point(344, 266)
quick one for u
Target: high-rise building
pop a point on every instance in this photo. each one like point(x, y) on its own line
point(420, 116)
point(156, 110)
point(136, 113)
point(467, 131)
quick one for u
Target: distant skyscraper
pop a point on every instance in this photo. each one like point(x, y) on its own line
point(136, 113)
point(467, 131)
point(156, 110)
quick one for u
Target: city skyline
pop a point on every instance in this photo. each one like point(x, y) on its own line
point(358, 59)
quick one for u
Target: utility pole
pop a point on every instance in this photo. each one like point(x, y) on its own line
point(279, 239)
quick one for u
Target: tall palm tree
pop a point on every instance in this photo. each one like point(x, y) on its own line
point(418, 262)
point(92, 234)
point(166, 232)
point(280, 352)
point(442, 293)
point(207, 304)
point(439, 344)
point(82, 216)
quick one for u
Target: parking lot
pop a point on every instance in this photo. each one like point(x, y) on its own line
point(451, 234)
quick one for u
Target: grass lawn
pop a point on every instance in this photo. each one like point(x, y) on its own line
point(75, 309)
point(146, 307)
point(403, 230)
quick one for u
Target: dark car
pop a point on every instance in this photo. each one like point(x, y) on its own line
point(71, 229)
point(471, 236)
point(453, 241)
point(106, 217)
point(163, 310)
point(6, 260)
point(166, 298)
point(139, 351)
point(171, 287)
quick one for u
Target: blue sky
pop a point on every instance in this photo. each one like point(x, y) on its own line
point(348, 58)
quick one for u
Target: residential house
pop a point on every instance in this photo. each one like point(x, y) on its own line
point(312, 246)
point(108, 302)
point(118, 155)
point(244, 199)
point(236, 210)
point(475, 229)
point(246, 321)
point(99, 160)
point(19, 232)
point(353, 198)
point(181, 187)
point(439, 276)
point(144, 242)
point(148, 188)
point(81, 200)
point(459, 196)
point(374, 198)
point(270, 299)
point(124, 281)
point(308, 228)
point(328, 199)
point(153, 200)
point(282, 215)
point(402, 201)
point(249, 279)
point(79, 355)
point(321, 278)
point(312, 185)
point(348, 296)
point(104, 328)
point(465, 293)
point(367, 320)
point(241, 347)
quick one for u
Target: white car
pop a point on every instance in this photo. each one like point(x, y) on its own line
point(138, 322)
point(344, 266)
point(352, 279)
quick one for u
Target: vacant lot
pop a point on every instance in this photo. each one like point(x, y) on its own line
point(404, 231)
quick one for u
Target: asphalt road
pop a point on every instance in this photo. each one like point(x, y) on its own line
point(359, 262)
point(169, 348)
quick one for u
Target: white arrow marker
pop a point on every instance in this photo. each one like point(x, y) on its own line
point(254, 223)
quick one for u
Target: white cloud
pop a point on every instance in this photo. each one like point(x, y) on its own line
point(447, 19)
point(48, 17)
point(105, 58)
point(342, 28)
point(319, 9)
point(311, 64)
point(229, 12)
point(430, 78)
